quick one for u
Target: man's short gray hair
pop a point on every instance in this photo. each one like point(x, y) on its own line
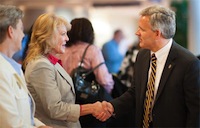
point(9, 16)
point(162, 19)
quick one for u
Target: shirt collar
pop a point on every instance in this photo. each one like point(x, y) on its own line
point(163, 51)
point(14, 64)
point(54, 59)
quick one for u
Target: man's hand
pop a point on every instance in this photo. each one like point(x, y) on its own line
point(103, 111)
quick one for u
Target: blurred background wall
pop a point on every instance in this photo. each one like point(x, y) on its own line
point(108, 15)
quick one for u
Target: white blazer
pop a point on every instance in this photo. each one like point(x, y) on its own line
point(15, 110)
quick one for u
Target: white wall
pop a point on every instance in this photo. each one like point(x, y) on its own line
point(106, 20)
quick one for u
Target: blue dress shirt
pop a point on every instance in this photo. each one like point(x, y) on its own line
point(113, 57)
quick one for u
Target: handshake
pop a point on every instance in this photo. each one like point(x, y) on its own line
point(102, 110)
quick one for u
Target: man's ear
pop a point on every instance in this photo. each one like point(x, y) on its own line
point(10, 31)
point(158, 33)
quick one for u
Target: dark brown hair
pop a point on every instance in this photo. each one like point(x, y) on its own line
point(81, 30)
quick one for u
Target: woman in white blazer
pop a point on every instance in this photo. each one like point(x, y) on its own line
point(17, 107)
point(50, 85)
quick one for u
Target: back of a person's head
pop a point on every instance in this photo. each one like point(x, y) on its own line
point(118, 35)
point(117, 31)
point(81, 30)
point(9, 16)
point(43, 35)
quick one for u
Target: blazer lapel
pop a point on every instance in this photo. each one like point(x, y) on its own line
point(169, 65)
point(33, 103)
point(20, 82)
point(65, 75)
point(19, 78)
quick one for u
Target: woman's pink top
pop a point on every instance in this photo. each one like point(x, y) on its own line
point(72, 57)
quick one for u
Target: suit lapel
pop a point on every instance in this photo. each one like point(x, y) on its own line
point(141, 73)
point(169, 65)
point(65, 75)
point(144, 73)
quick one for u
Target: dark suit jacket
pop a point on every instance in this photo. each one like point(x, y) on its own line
point(177, 102)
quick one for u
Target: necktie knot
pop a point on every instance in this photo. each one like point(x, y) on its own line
point(153, 57)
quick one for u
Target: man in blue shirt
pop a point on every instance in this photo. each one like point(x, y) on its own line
point(113, 57)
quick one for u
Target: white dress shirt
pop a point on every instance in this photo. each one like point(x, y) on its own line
point(161, 56)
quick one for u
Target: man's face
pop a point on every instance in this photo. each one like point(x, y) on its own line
point(119, 36)
point(18, 35)
point(145, 34)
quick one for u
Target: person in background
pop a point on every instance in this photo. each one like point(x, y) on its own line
point(51, 86)
point(171, 98)
point(113, 57)
point(18, 56)
point(198, 57)
point(80, 36)
point(125, 73)
point(16, 104)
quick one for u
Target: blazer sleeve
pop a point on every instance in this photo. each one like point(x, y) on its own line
point(42, 78)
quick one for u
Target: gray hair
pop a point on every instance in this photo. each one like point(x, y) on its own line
point(9, 16)
point(162, 19)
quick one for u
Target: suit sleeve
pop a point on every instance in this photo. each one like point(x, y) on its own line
point(125, 103)
point(192, 93)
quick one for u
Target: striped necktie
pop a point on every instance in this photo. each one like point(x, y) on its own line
point(148, 103)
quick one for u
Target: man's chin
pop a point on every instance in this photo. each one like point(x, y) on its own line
point(141, 45)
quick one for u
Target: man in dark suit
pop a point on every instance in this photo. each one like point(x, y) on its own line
point(175, 98)
point(198, 57)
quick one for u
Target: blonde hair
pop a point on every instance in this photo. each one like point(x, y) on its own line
point(43, 35)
